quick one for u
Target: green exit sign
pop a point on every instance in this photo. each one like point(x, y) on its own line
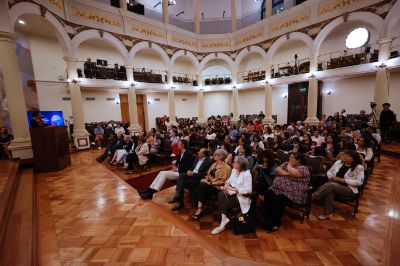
point(302, 90)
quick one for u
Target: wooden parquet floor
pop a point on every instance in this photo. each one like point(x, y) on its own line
point(87, 215)
point(7, 167)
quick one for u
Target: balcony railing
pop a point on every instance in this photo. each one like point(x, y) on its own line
point(149, 75)
point(184, 79)
point(251, 75)
point(294, 67)
point(93, 70)
point(212, 80)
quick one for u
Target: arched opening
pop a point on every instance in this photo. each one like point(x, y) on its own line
point(251, 68)
point(98, 59)
point(184, 71)
point(217, 72)
point(291, 58)
point(149, 66)
point(334, 53)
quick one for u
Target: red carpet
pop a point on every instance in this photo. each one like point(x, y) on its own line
point(142, 182)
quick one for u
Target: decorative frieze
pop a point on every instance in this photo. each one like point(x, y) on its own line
point(244, 39)
point(331, 6)
point(94, 17)
point(58, 3)
point(216, 44)
point(290, 22)
point(184, 41)
point(148, 32)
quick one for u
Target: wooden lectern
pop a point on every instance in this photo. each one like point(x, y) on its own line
point(50, 149)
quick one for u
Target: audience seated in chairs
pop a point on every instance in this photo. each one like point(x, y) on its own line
point(182, 165)
point(289, 186)
point(115, 143)
point(344, 179)
point(210, 185)
point(191, 179)
point(99, 136)
point(232, 200)
point(266, 168)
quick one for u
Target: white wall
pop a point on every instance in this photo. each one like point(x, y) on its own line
point(394, 93)
point(47, 59)
point(215, 71)
point(251, 101)
point(217, 103)
point(184, 66)
point(156, 109)
point(50, 98)
point(287, 51)
point(148, 58)
point(102, 51)
point(251, 62)
point(352, 94)
point(280, 104)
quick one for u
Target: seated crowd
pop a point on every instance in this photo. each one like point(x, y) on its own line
point(236, 164)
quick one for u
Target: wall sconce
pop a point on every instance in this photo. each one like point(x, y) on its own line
point(233, 87)
point(382, 65)
point(116, 102)
point(69, 80)
point(173, 88)
point(329, 92)
point(202, 89)
point(284, 96)
point(266, 82)
point(312, 75)
point(74, 80)
point(133, 84)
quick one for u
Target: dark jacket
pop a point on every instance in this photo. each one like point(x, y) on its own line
point(185, 163)
point(387, 118)
point(203, 167)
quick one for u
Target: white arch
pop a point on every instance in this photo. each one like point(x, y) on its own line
point(221, 56)
point(22, 8)
point(142, 45)
point(95, 35)
point(366, 17)
point(392, 20)
point(245, 52)
point(187, 54)
point(291, 36)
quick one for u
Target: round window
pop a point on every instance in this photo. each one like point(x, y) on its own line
point(357, 38)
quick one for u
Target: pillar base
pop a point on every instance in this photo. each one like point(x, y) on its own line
point(268, 121)
point(81, 140)
point(312, 121)
point(135, 129)
point(21, 149)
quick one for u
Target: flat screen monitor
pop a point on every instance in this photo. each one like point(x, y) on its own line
point(50, 118)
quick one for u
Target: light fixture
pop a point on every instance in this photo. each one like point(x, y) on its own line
point(382, 65)
point(20, 21)
point(266, 82)
point(116, 102)
point(329, 92)
point(233, 87)
point(170, 3)
point(312, 75)
point(173, 88)
point(284, 96)
point(357, 38)
point(132, 84)
point(69, 80)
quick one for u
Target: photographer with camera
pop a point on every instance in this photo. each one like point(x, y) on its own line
point(386, 120)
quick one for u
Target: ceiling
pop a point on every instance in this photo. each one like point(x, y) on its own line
point(35, 26)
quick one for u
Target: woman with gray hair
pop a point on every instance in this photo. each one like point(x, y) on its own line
point(233, 195)
point(210, 185)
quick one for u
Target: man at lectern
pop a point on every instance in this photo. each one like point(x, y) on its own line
point(36, 121)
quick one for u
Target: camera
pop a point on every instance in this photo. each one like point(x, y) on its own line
point(372, 104)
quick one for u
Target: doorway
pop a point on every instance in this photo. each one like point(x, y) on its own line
point(298, 101)
point(124, 103)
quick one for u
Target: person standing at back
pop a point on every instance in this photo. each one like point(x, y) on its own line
point(386, 120)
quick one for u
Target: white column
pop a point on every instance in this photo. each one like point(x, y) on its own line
point(171, 106)
point(200, 114)
point(235, 104)
point(268, 8)
point(268, 105)
point(133, 114)
point(197, 16)
point(165, 11)
point(234, 15)
point(312, 104)
point(169, 78)
point(288, 4)
point(21, 146)
point(381, 94)
point(80, 135)
point(122, 4)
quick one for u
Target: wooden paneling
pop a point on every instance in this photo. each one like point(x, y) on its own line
point(298, 101)
point(124, 103)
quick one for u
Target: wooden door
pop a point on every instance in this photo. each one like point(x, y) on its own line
point(298, 100)
point(124, 103)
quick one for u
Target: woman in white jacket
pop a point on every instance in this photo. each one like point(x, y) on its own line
point(238, 185)
point(142, 150)
point(344, 179)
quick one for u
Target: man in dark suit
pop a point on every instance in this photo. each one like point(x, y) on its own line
point(192, 177)
point(182, 165)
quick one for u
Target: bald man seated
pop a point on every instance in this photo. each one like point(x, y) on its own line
point(191, 179)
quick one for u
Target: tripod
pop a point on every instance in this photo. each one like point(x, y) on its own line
point(374, 121)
